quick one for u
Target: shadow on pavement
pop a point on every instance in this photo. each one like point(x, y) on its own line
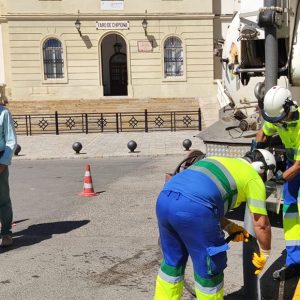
point(39, 232)
point(238, 295)
point(270, 288)
point(19, 221)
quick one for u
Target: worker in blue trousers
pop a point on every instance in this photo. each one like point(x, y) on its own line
point(282, 116)
point(190, 212)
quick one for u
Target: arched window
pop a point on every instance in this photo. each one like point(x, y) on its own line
point(173, 57)
point(53, 59)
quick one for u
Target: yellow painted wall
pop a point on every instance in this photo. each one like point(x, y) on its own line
point(26, 25)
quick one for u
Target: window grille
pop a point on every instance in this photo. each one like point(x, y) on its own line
point(173, 57)
point(53, 59)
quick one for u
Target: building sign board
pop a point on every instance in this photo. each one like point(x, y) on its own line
point(145, 46)
point(112, 5)
point(112, 25)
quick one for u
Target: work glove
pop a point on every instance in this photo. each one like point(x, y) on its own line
point(260, 260)
point(279, 176)
point(241, 234)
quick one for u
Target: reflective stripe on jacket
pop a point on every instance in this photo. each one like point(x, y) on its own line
point(237, 181)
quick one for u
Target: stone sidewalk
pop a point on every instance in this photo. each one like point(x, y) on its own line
point(97, 145)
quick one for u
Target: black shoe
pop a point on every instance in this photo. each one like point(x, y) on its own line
point(287, 272)
point(7, 240)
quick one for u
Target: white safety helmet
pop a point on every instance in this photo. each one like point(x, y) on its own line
point(278, 104)
point(263, 162)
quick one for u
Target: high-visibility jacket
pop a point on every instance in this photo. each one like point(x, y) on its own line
point(204, 192)
point(235, 178)
point(290, 137)
point(289, 134)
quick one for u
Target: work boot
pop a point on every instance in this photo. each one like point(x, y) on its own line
point(7, 240)
point(287, 272)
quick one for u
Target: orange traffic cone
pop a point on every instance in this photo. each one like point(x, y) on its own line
point(88, 189)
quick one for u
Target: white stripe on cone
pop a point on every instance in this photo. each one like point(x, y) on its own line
point(88, 186)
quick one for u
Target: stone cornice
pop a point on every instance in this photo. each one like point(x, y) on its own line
point(97, 17)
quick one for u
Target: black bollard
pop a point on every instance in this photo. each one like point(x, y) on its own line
point(187, 144)
point(18, 149)
point(77, 147)
point(131, 145)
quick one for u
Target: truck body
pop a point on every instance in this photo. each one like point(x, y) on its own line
point(251, 65)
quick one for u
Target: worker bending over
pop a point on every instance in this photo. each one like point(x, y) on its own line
point(190, 212)
point(282, 118)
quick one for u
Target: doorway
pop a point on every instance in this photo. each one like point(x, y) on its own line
point(118, 74)
point(114, 66)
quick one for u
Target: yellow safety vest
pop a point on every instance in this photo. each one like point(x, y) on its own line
point(237, 181)
point(289, 134)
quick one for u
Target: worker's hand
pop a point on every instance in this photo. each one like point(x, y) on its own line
point(279, 176)
point(260, 260)
point(241, 234)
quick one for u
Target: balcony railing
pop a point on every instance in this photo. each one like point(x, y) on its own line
point(106, 122)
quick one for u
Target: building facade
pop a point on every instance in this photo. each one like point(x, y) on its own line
point(93, 49)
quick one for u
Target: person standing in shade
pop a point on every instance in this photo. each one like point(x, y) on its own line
point(8, 143)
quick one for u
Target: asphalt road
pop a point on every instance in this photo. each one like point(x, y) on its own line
point(103, 247)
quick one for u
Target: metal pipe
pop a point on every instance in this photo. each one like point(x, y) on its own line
point(233, 109)
point(259, 70)
point(252, 70)
point(271, 51)
point(271, 47)
point(251, 282)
